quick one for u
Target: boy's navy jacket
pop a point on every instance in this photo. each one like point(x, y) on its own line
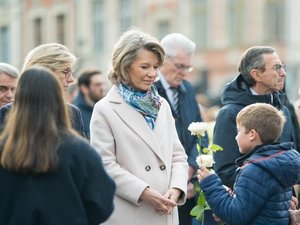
point(262, 190)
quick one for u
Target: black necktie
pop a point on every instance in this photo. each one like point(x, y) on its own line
point(175, 99)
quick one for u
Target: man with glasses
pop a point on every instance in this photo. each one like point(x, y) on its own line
point(181, 96)
point(261, 79)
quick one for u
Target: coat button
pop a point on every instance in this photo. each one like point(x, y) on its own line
point(147, 168)
point(162, 167)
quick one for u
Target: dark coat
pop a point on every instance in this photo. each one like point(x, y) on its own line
point(75, 114)
point(86, 112)
point(295, 124)
point(236, 96)
point(263, 188)
point(80, 192)
point(188, 112)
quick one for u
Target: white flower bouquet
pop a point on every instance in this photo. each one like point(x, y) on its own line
point(205, 158)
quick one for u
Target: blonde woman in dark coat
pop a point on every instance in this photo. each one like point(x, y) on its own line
point(59, 59)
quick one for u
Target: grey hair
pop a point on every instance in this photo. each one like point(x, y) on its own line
point(9, 70)
point(126, 51)
point(252, 58)
point(175, 42)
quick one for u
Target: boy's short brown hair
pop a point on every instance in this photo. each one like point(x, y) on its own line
point(264, 118)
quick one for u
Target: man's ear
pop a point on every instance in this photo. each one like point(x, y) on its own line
point(256, 74)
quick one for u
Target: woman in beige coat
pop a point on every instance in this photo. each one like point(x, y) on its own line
point(133, 130)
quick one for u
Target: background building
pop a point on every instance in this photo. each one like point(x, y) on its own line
point(222, 30)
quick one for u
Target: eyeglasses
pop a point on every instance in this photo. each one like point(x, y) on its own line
point(181, 67)
point(279, 67)
point(68, 73)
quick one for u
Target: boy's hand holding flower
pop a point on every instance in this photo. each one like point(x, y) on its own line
point(203, 172)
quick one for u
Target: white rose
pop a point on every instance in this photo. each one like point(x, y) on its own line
point(205, 160)
point(198, 128)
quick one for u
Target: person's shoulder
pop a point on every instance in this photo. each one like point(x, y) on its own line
point(74, 140)
point(165, 105)
point(75, 113)
point(108, 101)
point(76, 100)
point(255, 172)
point(78, 155)
point(80, 102)
point(163, 100)
point(158, 84)
point(73, 107)
point(6, 107)
point(3, 112)
point(230, 110)
point(103, 105)
point(292, 153)
point(187, 85)
point(76, 145)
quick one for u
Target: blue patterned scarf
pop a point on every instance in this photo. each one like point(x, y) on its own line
point(147, 103)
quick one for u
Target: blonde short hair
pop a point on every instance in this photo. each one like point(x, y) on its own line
point(264, 118)
point(126, 51)
point(53, 56)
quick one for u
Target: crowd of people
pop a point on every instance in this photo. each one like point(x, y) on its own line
point(77, 153)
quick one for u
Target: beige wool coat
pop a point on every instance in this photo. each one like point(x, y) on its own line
point(136, 157)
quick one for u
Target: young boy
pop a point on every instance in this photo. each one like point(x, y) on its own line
point(266, 173)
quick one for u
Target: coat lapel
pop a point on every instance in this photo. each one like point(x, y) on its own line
point(134, 120)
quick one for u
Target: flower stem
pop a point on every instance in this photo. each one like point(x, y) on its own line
point(199, 143)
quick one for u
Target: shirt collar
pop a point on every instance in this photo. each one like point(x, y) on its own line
point(167, 86)
point(163, 81)
point(255, 93)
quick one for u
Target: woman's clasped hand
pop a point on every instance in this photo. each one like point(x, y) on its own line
point(163, 204)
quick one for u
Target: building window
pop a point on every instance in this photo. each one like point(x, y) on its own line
point(275, 21)
point(4, 37)
point(163, 28)
point(98, 25)
point(125, 14)
point(37, 26)
point(200, 23)
point(60, 28)
point(235, 15)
